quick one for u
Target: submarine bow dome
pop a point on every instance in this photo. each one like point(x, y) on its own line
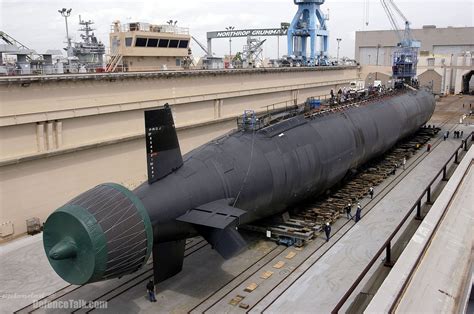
point(103, 233)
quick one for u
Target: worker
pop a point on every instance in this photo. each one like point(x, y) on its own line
point(371, 192)
point(349, 211)
point(404, 162)
point(463, 105)
point(150, 287)
point(358, 212)
point(462, 133)
point(428, 148)
point(327, 230)
point(445, 136)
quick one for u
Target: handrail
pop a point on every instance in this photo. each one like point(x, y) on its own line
point(423, 251)
point(115, 58)
point(387, 244)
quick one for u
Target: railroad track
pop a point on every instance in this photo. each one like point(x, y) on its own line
point(225, 291)
point(367, 209)
point(137, 280)
point(192, 247)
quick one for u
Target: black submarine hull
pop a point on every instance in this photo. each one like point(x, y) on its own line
point(236, 179)
point(275, 167)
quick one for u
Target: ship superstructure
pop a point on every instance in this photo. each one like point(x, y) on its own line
point(88, 53)
point(140, 46)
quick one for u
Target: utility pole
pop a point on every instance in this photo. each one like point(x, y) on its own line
point(338, 46)
point(283, 26)
point(378, 48)
point(230, 28)
point(278, 47)
point(377, 62)
point(67, 13)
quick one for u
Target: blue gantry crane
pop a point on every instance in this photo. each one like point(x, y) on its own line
point(308, 23)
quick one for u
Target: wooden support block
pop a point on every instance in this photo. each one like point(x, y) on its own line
point(266, 274)
point(279, 265)
point(251, 287)
point(236, 300)
point(244, 306)
point(290, 255)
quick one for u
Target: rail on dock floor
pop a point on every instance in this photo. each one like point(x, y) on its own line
point(435, 267)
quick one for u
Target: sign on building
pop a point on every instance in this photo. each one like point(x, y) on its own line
point(248, 32)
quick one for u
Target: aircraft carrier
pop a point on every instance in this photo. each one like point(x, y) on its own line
point(217, 179)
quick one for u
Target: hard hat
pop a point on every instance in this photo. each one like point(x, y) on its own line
point(327, 223)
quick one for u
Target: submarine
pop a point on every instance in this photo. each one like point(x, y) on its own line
point(254, 172)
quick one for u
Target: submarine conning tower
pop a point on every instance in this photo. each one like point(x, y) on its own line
point(246, 175)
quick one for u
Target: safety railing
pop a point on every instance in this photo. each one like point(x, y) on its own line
point(387, 246)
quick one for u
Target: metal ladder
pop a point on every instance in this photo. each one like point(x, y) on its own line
point(115, 60)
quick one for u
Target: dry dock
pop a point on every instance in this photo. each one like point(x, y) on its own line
point(266, 277)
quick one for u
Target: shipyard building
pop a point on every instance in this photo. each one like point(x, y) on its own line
point(446, 56)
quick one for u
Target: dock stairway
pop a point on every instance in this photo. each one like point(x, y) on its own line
point(114, 62)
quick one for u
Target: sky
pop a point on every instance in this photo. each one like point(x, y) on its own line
point(38, 25)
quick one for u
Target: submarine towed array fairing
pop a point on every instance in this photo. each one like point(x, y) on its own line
point(110, 231)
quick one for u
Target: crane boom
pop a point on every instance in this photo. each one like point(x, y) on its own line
point(398, 10)
point(200, 45)
point(406, 39)
point(12, 41)
point(391, 16)
point(260, 44)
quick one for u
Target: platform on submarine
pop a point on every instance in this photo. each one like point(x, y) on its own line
point(210, 283)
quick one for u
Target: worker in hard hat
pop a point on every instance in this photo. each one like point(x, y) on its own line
point(358, 212)
point(327, 230)
point(349, 211)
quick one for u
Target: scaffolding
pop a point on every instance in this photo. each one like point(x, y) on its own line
point(252, 55)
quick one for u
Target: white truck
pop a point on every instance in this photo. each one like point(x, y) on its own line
point(356, 85)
